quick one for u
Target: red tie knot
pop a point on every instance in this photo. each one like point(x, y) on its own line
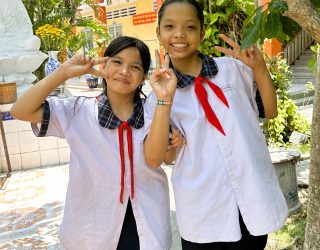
point(125, 124)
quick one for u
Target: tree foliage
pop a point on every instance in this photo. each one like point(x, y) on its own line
point(269, 22)
point(224, 17)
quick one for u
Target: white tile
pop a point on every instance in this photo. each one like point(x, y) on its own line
point(48, 143)
point(10, 126)
point(62, 143)
point(49, 157)
point(6, 107)
point(24, 126)
point(15, 161)
point(64, 155)
point(13, 146)
point(28, 142)
point(30, 160)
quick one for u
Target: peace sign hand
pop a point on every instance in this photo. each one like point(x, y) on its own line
point(79, 65)
point(163, 80)
point(252, 56)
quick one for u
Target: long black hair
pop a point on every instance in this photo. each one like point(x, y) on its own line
point(194, 3)
point(123, 42)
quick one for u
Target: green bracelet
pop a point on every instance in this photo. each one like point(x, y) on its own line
point(162, 102)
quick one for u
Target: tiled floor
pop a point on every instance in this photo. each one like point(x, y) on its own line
point(31, 207)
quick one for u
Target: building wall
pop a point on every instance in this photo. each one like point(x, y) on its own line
point(145, 14)
point(120, 21)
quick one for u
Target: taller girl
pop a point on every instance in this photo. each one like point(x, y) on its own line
point(226, 191)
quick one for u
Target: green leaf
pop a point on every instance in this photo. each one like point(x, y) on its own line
point(278, 6)
point(316, 3)
point(221, 2)
point(250, 36)
point(230, 10)
point(262, 26)
point(273, 26)
point(289, 26)
point(213, 18)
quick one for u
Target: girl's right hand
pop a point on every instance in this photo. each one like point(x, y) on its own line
point(163, 80)
point(177, 139)
point(79, 65)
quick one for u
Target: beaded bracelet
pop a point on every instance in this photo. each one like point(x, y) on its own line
point(163, 102)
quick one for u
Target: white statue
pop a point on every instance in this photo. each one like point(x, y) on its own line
point(19, 48)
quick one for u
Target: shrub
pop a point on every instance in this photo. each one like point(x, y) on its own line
point(278, 130)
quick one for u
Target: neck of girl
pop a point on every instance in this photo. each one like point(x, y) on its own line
point(121, 105)
point(189, 66)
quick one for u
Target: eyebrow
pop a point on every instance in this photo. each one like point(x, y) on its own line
point(120, 58)
point(171, 20)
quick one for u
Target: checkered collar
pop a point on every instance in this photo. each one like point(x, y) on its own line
point(209, 69)
point(108, 119)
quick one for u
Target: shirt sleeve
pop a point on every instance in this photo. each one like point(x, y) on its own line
point(260, 105)
point(149, 109)
point(249, 86)
point(56, 117)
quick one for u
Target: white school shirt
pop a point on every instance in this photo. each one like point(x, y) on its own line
point(93, 214)
point(215, 175)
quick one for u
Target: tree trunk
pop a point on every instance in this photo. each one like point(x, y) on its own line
point(305, 14)
point(312, 236)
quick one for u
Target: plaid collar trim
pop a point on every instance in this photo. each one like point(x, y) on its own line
point(209, 69)
point(107, 119)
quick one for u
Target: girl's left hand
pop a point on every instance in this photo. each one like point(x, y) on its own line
point(163, 80)
point(252, 56)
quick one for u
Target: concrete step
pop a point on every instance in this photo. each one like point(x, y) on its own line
point(303, 75)
point(298, 87)
point(308, 52)
point(304, 101)
point(298, 94)
point(301, 62)
point(300, 68)
point(305, 57)
point(303, 80)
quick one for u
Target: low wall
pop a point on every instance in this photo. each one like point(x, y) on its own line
point(27, 151)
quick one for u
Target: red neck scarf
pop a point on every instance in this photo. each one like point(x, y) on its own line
point(203, 98)
point(125, 125)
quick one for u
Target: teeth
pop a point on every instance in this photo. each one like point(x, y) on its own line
point(179, 45)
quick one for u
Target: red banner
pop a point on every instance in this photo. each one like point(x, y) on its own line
point(149, 17)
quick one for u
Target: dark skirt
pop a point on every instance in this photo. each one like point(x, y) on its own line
point(247, 242)
point(129, 238)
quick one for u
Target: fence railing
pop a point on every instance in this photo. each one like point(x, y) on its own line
point(296, 47)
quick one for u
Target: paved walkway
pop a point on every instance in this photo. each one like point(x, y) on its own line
point(33, 200)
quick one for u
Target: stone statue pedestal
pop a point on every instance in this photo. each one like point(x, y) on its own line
point(19, 48)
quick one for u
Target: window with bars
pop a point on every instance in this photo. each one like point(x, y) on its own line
point(115, 31)
point(89, 45)
point(123, 12)
point(154, 5)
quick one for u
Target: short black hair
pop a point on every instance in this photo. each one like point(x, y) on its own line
point(123, 42)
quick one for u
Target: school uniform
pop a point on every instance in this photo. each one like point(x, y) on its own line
point(107, 170)
point(225, 167)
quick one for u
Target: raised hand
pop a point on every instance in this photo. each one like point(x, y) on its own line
point(79, 65)
point(252, 56)
point(163, 80)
